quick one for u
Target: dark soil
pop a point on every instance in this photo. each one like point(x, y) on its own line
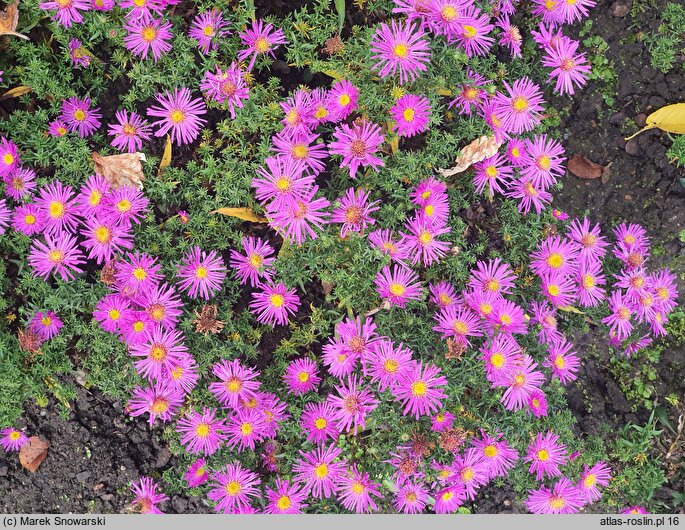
point(96, 451)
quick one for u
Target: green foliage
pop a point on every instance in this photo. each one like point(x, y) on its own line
point(669, 40)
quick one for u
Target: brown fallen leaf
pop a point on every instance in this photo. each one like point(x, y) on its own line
point(120, 170)
point(477, 151)
point(584, 168)
point(32, 454)
point(8, 20)
point(16, 92)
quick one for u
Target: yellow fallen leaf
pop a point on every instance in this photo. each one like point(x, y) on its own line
point(166, 157)
point(16, 92)
point(246, 214)
point(670, 118)
point(571, 309)
point(8, 20)
point(444, 92)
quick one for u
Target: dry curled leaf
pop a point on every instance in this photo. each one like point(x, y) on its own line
point(242, 213)
point(477, 151)
point(584, 168)
point(8, 20)
point(670, 118)
point(120, 170)
point(16, 92)
point(33, 453)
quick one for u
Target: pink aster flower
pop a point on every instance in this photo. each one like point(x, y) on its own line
point(298, 111)
point(321, 107)
point(354, 212)
point(516, 152)
point(58, 207)
point(400, 48)
point(411, 114)
point(537, 404)
point(134, 326)
point(355, 489)
point(59, 255)
point(138, 274)
point(496, 453)
point(91, 196)
point(201, 274)
point(299, 145)
point(9, 157)
point(560, 290)
point(318, 422)
point(443, 294)
point(67, 11)
point(529, 196)
point(385, 364)
point(471, 94)
point(161, 400)
point(237, 383)
point(301, 376)
point(494, 276)
point(411, 498)
point(260, 39)
point(143, 9)
point(285, 498)
point(575, 10)
point(634, 510)
point(422, 241)
point(28, 219)
point(104, 239)
point(339, 359)
point(564, 497)
point(544, 163)
point(20, 183)
point(110, 311)
point(208, 28)
point(630, 236)
point(420, 390)
point(472, 32)
point(146, 496)
point(597, 475)
point(499, 357)
point(233, 488)
point(569, 68)
point(295, 222)
point(201, 433)
point(181, 372)
point(546, 455)
point(197, 473)
point(179, 114)
point(589, 279)
point(79, 55)
point(494, 173)
point(471, 470)
point(352, 404)
point(398, 285)
point(274, 303)
point(102, 5)
point(319, 472)
point(129, 131)
point(436, 212)
point(227, 87)
point(564, 363)
point(79, 116)
point(549, 11)
point(458, 322)
point(342, 98)
point(162, 304)
point(13, 439)
point(255, 266)
point(46, 325)
point(591, 244)
point(449, 499)
point(510, 36)
point(162, 348)
point(506, 317)
point(57, 128)
point(554, 255)
point(384, 241)
point(664, 287)
point(283, 182)
point(521, 108)
point(442, 421)
point(445, 16)
point(357, 145)
point(244, 429)
point(621, 312)
point(521, 381)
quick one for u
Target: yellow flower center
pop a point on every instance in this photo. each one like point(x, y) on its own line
point(358, 488)
point(8, 158)
point(623, 313)
point(553, 289)
point(199, 471)
point(491, 171)
point(397, 289)
point(158, 353)
point(283, 183)
point(138, 326)
point(469, 31)
point(590, 480)
point(320, 423)
point(400, 50)
point(124, 205)
point(46, 321)
point(536, 403)
point(519, 380)
point(391, 366)
point(177, 116)
point(460, 328)
point(114, 314)
point(429, 210)
point(201, 272)
point(520, 104)
point(516, 152)
point(490, 451)
point(543, 455)
point(543, 162)
point(103, 234)
point(261, 45)
point(449, 13)
point(447, 495)
point(277, 300)
point(233, 488)
point(157, 312)
point(233, 385)
point(419, 389)
point(95, 198)
point(467, 474)
point(492, 285)
point(425, 237)
point(246, 429)
point(56, 256)
point(408, 115)
point(148, 34)
point(208, 31)
point(555, 260)
point(344, 100)
point(556, 502)
point(139, 273)
point(321, 471)
point(662, 293)
point(497, 360)
point(299, 151)
point(353, 215)
point(303, 377)
point(559, 362)
point(30, 219)
point(79, 115)
point(321, 113)
point(15, 435)
point(505, 319)
point(160, 406)
point(283, 502)
point(588, 281)
point(256, 261)
point(202, 430)
point(56, 209)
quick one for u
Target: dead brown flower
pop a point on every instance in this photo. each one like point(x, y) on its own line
point(206, 321)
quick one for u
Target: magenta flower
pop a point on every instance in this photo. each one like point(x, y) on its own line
point(355, 490)
point(354, 212)
point(398, 285)
point(201, 433)
point(104, 239)
point(458, 322)
point(233, 487)
point(27, 219)
point(472, 32)
point(493, 173)
point(237, 383)
point(59, 255)
point(400, 48)
point(79, 55)
point(139, 274)
point(411, 498)
point(255, 266)
point(182, 371)
point(110, 311)
point(516, 152)
point(318, 472)
point(592, 246)
point(549, 11)
point(67, 11)
point(298, 144)
point(162, 348)
point(197, 473)
point(91, 195)
point(146, 496)
point(260, 39)
point(385, 364)
point(471, 94)
point(419, 390)
point(58, 208)
point(422, 241)
point(631, 236)
point(442, 421)
point(537, 404)
point(619, 320)
point(283, 181)
point(339, 360)
point(13, 439)
point(201, 274)
point(9, 157)
point(357, 145)
point(510, 36)
point(274, 304)
point(318, 422)
point(665, 290)
point(471, 470)
point(286, 498)
point(143, 9)
point(499, 357)
point(520, 110)
point(544, 161)
point(321, 107)
point(134, 326)
point(46, 325)
point(575, 10)
point(79, 117)
point(161, 400)
point(521, 381)
point(569, 68)
point(506, 317)
point(449, 499)
point(129, 131)
point(443, 294)
point(496, 453)
point(57, 128)
point(244, 429)
point(102, 5)
point(342, 97)
point(494, 276)
point(352, 404)
point(446, 16)
point(529, 195)
point(633, 510)
point(546, 455)
point(564, 497)
point(227, 87)
point(384, 241)
point(564, 363)
point(597, 475)
point(298, 111)
point(162, 304)
point(411, 114)
point(179, 114)
point(301, 376)
point(589, 278)
point(554, 255)
point(20, 183)
point(208, 28)
point(293, 222)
